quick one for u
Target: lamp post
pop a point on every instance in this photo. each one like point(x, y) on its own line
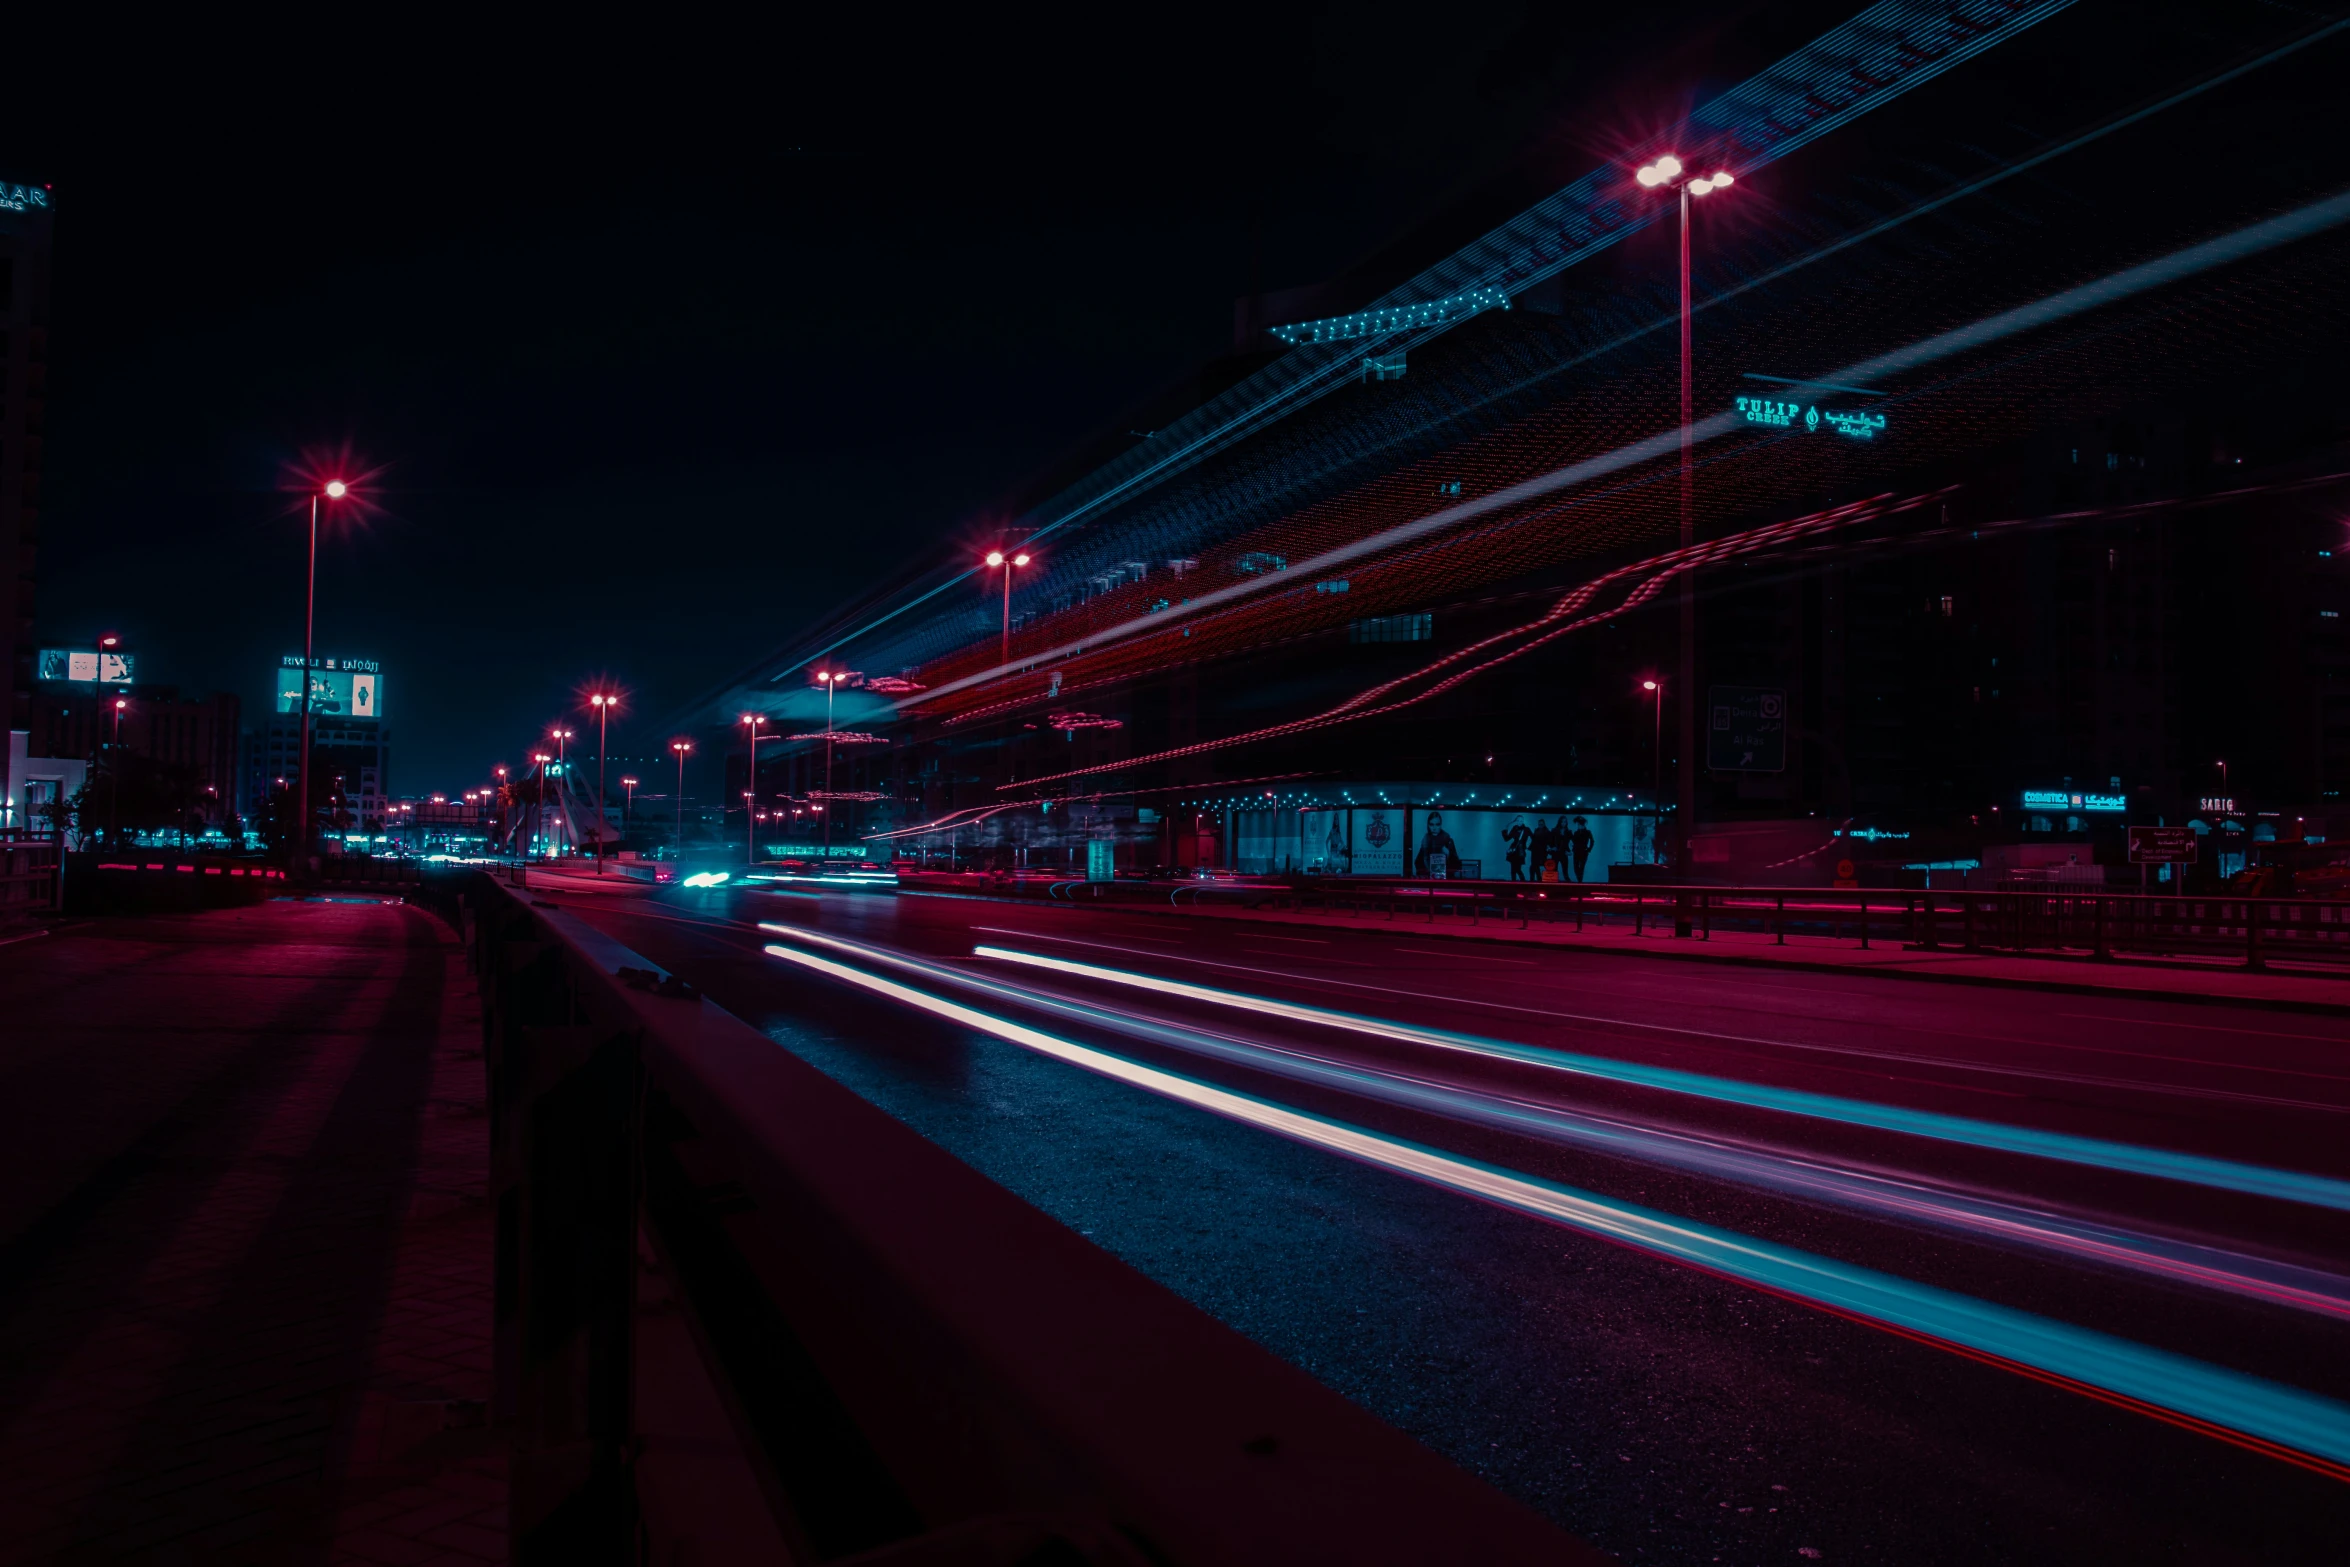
point(603, 703)
point(681, 747)
point(832, 679)
point(501, 772)
point(1656, 787)
point(539, 818)
point(996, 558)
point(1667, 172)
point(751, 795)
point(335, 490)
point(627, 800)
point(114, 779)
point(562, 737)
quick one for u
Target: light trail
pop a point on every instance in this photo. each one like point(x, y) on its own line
point(2289, 1424)
point(2195, 1169)
point(2188, 261)
point(1878, 1195)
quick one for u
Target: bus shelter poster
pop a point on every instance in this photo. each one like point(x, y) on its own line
point(1554, 846)
point(1466, 843)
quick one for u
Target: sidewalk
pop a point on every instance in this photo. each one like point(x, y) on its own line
point(2280, 988)
point(245, 1254)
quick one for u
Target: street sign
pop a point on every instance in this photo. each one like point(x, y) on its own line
point(1747, 732)
point(2162, 846)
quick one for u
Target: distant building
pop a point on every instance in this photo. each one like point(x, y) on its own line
point(71, 720)
point(348, 737)
point(24, 370)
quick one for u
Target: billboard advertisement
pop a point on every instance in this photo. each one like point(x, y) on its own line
point(339, 688)
point(1443, 842)
point(72, 663)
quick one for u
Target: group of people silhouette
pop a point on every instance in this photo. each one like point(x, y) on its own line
point(1564, 851)
point(1559, 849)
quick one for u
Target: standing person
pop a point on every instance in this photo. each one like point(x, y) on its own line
point(1580, 841)
point(1518, 836)
point(1544, 846)
point(1437, 857)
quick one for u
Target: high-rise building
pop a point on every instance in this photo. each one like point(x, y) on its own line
point(349, 740)
point(24, 353)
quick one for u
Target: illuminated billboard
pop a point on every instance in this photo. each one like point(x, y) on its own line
point(83, 664)
point(339, 687)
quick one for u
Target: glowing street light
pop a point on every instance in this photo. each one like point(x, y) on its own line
point(831, 679)
point(626, 801)
point(539, 827)
point(1668, 172)
point(681, 747)
point(750, 827)
point(1656, 787)
point(995, 559)
point(604, 702)
point(335, 490)
point(114, 779)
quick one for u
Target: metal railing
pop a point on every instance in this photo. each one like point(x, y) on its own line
point(2251, 931)
point(28, 874)
point(742, 1315)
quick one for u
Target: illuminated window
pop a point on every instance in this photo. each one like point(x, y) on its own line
point(1392, 628)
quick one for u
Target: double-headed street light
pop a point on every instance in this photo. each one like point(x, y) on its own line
point(562, 737)
point(603, 702)
point(1667, 173)
point(997, 558)
point(831, 679)
point(538, 828)
point(681, 747)
point(750, 821)
point(627, 801)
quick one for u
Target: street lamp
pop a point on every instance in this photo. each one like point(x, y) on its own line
point(997, 558)
point(1656, 787)
point(832, 679)
point(539, 827)
point(603, 702)
point(681, 747)
point(561, 737)
point(750, 828)
point(627, 800)
point(114, 779)
point(336, 489)
point(1667, 173)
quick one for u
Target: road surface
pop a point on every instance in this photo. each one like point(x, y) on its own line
point(1706, 1263)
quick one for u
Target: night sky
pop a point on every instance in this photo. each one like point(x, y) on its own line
point(661, 345)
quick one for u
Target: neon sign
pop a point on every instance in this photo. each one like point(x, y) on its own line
point(1782, 415)
point(2066, 800)
point(1770, 411)
point(23, 198)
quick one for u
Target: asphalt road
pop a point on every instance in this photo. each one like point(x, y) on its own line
point(2105, 1172)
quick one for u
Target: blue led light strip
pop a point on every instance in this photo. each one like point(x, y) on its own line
point(2283, 1422)
point(1395, 318)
